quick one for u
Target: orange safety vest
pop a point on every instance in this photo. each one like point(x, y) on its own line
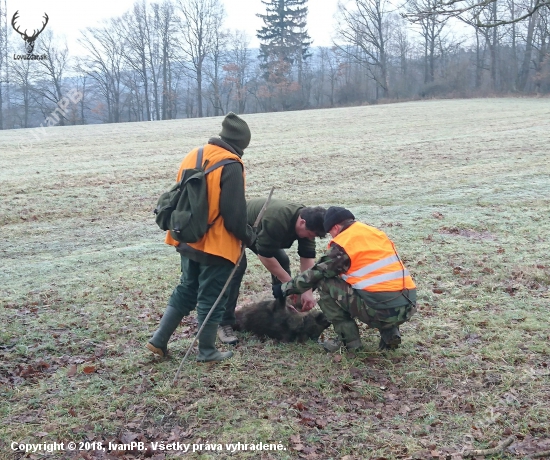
point(375, 265)
point(217, 240)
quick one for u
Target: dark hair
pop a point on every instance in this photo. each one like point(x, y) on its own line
point(314, 217)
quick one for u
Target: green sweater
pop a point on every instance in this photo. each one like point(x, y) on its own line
point(277, 228)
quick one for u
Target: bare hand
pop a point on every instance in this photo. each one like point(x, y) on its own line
point(308, 301)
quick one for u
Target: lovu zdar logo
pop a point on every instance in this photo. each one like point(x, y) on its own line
point(29, 39)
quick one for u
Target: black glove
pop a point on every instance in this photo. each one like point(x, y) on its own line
point(277, 290)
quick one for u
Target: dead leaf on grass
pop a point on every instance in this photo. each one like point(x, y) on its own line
point(89, 369)
point(128, 437)
point(307, 419)
point(300, 406)
point(321, 423)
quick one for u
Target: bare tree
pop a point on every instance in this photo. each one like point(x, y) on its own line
point(431, 28)
point(472, 11)
point(3, 57)
point(402, 48)
point(541, 44)
point(199, 28)
point(237, 69)
point(55, 65)
point(335, 69)
point(105, 63)
point(523, 73)
point(138, 40)
point(165, 25)
point(492, 37)
point(23, 76)
point(213, 69)
point(81, 88)
point(367, 27)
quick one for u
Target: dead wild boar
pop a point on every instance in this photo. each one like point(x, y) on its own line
point(275, 319)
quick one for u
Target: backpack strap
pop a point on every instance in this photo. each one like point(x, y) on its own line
point(199, 164)
point(220, 164)
point(199, 158)
point(212, 168)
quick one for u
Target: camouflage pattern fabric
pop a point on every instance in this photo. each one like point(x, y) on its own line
point(330, 265)
point(341, 303)
point(335, 293)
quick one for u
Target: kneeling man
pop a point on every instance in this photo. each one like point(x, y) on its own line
point(361, 276)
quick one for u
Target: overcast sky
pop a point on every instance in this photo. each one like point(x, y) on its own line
point(69, 17)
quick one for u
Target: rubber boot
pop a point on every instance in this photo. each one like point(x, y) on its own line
point(207, 345)
point(389, 338)
point(158, 344)
point(331, 345)
point(348, 335)
point(348, 332)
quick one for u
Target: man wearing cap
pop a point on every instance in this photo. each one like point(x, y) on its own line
point(207, 264)
point(360, 276)
point(283, 223)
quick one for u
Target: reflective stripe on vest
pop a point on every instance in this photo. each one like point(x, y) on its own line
point(372, 267)
point(375, 266)
point(381, 278)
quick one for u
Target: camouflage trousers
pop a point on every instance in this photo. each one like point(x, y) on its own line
point(341, 304)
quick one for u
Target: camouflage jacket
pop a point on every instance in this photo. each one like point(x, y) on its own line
point(334, 262)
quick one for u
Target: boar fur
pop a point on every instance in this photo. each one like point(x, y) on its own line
point(275, 319)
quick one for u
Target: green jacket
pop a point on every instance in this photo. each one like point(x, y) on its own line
point(277, 228)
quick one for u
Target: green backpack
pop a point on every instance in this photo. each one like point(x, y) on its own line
point(183, 210)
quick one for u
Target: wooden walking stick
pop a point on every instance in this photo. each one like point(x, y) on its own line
point(256, 223)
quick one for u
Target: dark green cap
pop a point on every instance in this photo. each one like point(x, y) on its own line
point(235, 131)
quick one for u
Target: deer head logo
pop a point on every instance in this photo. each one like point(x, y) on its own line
point(29, 40)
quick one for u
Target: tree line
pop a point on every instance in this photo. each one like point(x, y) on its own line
point(177, 59)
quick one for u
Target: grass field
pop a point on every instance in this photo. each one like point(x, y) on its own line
point(462, 188)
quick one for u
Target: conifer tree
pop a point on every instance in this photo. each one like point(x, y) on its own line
point(284, 36)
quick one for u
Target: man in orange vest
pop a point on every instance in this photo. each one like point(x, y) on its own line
point(207, 264)
point(360, 276)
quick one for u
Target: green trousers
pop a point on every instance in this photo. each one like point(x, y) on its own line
point(199, 287)
point(341, 304)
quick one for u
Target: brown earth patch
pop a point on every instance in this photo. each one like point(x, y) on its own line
point(467, 233)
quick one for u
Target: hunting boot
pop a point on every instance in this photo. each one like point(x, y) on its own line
point(227, 335)
point(207, 345)
point(168, 324)
point(348, 335)
point(389, 338)
point(331, 345)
